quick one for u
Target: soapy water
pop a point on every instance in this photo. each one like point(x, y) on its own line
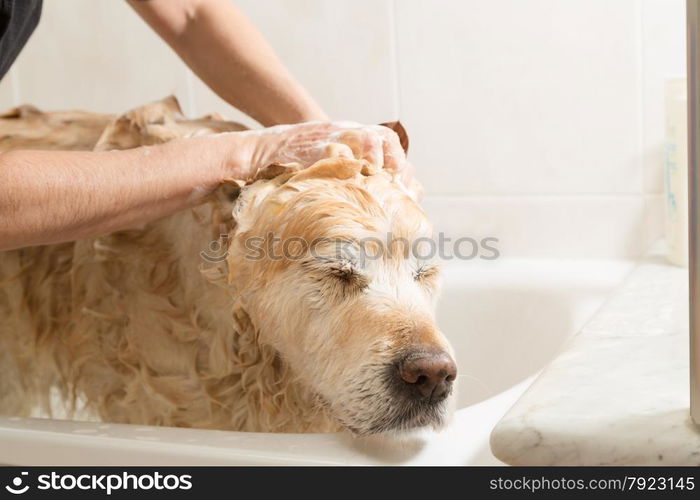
point(306, 143)
point(309, 142)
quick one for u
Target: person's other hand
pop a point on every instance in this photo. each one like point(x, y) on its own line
point(307, 143)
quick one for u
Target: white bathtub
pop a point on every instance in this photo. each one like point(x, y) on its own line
point(506, 319)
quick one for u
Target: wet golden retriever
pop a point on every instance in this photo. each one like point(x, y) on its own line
point(290, 303)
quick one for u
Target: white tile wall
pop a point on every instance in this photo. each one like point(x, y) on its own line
point(589, 226)
point(341, 50)
point(537, 121)
point(97, 55)
point(7, 98)
point(540, 96)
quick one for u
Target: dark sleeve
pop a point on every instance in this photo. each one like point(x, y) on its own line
point(18, 19)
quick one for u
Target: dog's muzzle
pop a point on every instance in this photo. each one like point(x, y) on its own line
point(419, 384)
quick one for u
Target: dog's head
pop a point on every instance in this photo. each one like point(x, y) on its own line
point(332, 265)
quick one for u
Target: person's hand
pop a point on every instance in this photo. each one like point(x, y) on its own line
point(307, 143)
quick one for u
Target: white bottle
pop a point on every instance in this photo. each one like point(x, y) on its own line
point(676, 171)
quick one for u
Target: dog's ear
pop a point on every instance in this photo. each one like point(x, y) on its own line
point(22, 111)
point(227, 194)
point(226, 197)
point(149, 124)
point(155, 113)
point(400, 131)
point(228, 190)
point(222, 208)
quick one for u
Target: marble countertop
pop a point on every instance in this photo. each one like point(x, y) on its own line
point(619, 393)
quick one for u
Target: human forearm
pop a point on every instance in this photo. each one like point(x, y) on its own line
point(53, 196)
point(223, 47)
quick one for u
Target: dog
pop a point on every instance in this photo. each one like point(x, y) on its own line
point(279, 304)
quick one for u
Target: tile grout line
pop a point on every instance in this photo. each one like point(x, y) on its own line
point(649, 232)
point(548, 196)
point(641, 95)
point(394, 37)
point(189, 83)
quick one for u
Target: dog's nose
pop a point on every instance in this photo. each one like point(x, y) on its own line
point(431, 375)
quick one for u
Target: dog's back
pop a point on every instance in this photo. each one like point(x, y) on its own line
point(35, 282)
point(92, 325)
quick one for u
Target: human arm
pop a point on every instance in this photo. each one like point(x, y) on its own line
point(229, 54)
point(56, 196)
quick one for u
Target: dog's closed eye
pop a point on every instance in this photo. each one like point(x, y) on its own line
point(426, 273)
point(345, 271)
point(338, 276)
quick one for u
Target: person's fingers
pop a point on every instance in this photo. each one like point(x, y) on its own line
point(407, 173)
point(304, 144)
point(352, 138)
point(410, 183)
point(373, 150)
point(394, 155)
point(310, 142)
point(364, 144)
point(337, 150)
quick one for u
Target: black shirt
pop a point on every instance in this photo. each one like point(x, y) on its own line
point(18, 18)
